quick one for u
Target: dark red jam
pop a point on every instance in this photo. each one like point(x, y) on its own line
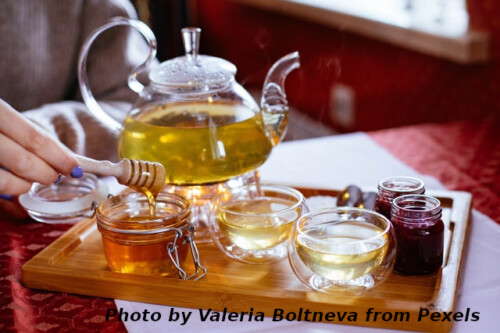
point(419, 234)
point(393, 187)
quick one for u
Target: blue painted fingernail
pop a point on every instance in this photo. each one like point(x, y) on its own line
point(77, 172)
point(4, 168)
point(59, 179)
point(6, 196)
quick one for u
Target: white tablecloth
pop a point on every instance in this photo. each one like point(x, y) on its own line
point(334, 162)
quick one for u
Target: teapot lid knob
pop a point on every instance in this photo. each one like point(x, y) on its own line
point(194, 72)
point(191, 39)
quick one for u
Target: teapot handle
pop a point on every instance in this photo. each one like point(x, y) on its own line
point(133, 82)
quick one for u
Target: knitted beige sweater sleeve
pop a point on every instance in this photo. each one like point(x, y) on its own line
point(39, 46)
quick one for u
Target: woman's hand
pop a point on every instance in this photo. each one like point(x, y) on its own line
point(28, 155)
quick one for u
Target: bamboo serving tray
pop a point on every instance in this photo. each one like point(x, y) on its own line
point(75, 263)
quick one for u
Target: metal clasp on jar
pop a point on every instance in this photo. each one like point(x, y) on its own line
point(200, 271)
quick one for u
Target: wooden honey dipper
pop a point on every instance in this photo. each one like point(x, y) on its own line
point(133, 173)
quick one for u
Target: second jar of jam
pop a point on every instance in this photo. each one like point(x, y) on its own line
point(393, 187)
point(419, 234)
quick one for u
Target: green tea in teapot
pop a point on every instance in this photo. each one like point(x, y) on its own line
point(197, 143)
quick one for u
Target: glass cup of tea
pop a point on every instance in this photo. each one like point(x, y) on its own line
point(251, 223)
point(342, 249)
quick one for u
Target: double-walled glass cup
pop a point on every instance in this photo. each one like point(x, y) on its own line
point(251, 223)
point(342, 249)
point(135, 243)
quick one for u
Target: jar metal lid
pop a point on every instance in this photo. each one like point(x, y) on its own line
point(67, 202)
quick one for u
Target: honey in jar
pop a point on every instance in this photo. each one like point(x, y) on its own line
point(135, 243)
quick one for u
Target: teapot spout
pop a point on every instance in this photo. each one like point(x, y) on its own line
point(274, 104)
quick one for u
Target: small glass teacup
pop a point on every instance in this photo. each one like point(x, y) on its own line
point(251, 223)
point(342, 249)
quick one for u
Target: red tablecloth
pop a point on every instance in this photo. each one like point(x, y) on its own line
point(27, 310)
point(463, 156)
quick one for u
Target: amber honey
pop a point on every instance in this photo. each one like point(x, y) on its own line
point(135, 243)
point(151, 197)
point(151, 258)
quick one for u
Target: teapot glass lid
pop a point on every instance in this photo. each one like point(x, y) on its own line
point(195, 71)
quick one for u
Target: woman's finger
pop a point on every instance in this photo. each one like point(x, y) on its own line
point(27, 135)
point(25, 164)
point(11, 184)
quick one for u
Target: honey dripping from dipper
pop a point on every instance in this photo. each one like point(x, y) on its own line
point(147, 178)
point(142, 176)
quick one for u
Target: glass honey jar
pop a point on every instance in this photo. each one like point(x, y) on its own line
point(135, 243)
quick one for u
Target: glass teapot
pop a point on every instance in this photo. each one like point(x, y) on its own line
point(193, 117)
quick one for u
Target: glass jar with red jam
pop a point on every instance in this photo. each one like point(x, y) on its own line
point(419, 233)
point(393, 187)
